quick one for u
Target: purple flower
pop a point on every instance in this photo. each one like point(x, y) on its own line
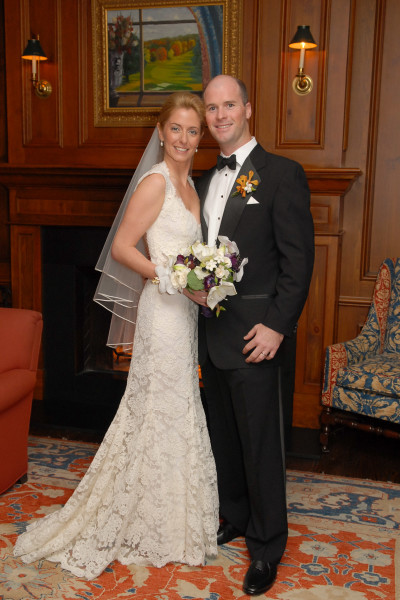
point(191, 262)
point(180, 260)
point(235, 262)
point(209, 282)
point(207, 312)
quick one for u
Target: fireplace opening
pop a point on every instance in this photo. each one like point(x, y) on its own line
point(84, 380)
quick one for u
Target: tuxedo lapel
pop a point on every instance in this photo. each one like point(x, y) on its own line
point(236, 203)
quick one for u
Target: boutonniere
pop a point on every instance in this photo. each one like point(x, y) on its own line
point(246, 185)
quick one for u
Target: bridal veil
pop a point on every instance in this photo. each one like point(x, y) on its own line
point(119, 287)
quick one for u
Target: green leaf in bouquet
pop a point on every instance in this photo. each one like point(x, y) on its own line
point(218, 309)
point(193, 282)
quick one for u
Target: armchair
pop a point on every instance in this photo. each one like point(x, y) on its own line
point(361, 386)
point(20, 336)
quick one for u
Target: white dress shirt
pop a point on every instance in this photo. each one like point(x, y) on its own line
point(220, 186)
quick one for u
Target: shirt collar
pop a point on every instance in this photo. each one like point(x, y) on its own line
point(243, 152)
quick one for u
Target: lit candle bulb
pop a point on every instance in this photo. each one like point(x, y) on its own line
point(302, 53)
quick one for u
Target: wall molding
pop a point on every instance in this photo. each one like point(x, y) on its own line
point(354, 301)
point(349, 73)
point(314, 103)
point(366, 273)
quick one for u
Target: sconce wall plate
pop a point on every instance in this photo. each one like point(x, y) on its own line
point(302, 84)
point(43, 89)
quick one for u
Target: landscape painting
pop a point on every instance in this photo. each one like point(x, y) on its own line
point(151, 49)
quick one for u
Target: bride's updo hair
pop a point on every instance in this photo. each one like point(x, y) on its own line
point(182, 100)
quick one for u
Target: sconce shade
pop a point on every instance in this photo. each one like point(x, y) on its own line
point(303, 38)
point(34, 51)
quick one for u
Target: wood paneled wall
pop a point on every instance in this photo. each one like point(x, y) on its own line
point(349, 125)
point(372, 215)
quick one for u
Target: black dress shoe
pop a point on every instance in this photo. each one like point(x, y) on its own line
point(260, 577)
point(226, 533)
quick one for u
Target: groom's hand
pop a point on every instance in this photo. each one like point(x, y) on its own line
point(263, 345)
point(198, 296)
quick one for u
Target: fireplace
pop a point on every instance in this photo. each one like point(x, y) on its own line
point(84, 380)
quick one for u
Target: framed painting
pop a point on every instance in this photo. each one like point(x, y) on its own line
point(145, 50)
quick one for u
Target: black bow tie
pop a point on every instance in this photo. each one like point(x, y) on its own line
point(229, 161)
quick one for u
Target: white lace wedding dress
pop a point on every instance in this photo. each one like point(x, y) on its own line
point(150, 494)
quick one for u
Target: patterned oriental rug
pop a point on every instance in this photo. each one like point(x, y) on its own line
point(344, 542)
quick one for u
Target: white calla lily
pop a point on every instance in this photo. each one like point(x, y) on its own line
point(202, 252)
point(230, 246)
point(238, 276)
point(201, 273)
point(219, 292)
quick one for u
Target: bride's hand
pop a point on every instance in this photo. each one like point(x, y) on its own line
point(199, 296)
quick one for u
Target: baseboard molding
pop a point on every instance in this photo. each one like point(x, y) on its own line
point(303, 443)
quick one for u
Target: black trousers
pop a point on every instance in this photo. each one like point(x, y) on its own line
point(244, 417)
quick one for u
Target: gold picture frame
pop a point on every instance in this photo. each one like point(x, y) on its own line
point(120, 28)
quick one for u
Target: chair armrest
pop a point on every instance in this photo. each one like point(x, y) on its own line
point(20, 336)
point(335, 358)
point(15, 385)
point(340, 355)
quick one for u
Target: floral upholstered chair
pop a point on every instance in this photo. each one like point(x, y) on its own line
point(362, 376)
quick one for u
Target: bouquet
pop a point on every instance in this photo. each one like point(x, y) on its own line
point(121, 35)
point(210, 268)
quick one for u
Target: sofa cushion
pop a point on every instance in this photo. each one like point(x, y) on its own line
point(377, 375)
point(369, 405)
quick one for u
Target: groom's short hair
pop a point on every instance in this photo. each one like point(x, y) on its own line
point(243, 90)
point(241, 85)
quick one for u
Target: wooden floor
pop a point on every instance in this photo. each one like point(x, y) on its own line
point(352, 453)
point(355, 454)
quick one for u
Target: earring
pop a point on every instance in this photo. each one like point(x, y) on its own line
point(196, 149)
point(162, 144)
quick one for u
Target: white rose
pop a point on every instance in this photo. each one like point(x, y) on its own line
point(179, 276)
point(221, 273)
point(220, 292)
point(226, 262)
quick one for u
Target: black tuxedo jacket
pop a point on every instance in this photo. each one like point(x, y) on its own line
point(275, 231)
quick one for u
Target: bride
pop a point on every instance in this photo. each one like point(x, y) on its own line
point(150, 495)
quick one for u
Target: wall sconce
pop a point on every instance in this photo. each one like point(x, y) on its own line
point(34, 52)
point(302, 40)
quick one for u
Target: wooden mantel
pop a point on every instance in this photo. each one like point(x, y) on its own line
point(46, 196)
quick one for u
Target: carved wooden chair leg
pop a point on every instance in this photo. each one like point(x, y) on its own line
point(325, 428)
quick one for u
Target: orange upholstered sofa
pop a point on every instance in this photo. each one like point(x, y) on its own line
point(20, 336)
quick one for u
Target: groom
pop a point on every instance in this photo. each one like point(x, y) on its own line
point(260, 201)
